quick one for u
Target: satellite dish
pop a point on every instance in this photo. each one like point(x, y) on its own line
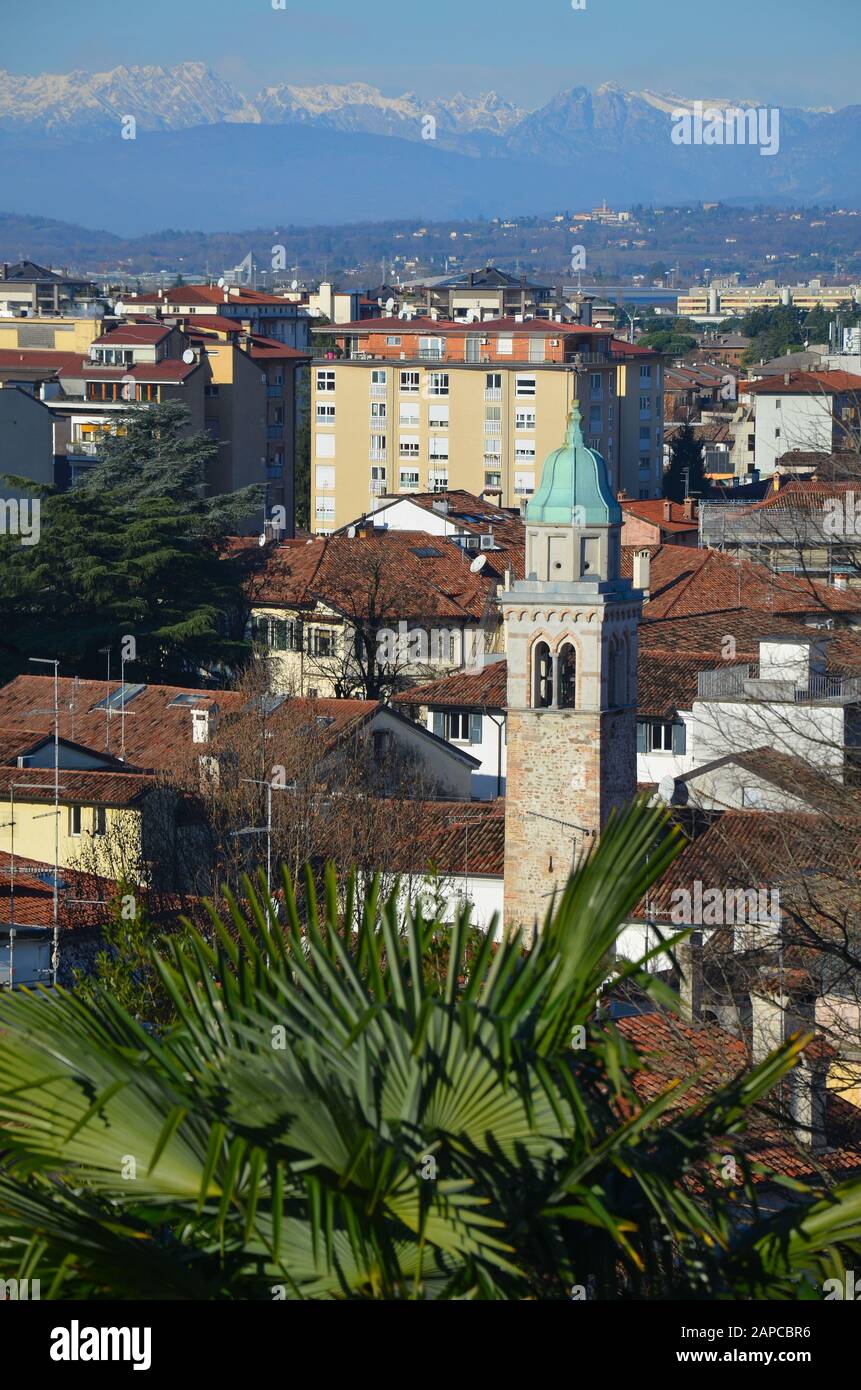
point(188, 355)
point(478, 564)
point(390, 304)
point(119, 308)
point(294, 284)
point(261, 539)
point(351, 533)
point(221, 282)
point(667, 788)
point(402, 314)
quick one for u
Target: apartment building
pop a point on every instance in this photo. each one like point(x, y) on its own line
point(413, 405)
point(266, 314)
point(712, 300)
point(28, 288)
point(814, 411)
point(487, 294)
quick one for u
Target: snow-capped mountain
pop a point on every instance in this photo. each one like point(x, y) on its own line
point(358, 107)
point(83, 103)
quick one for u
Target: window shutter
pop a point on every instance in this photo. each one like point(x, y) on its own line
point(475, 728)
point(642, 729)
point(679, 737)
point(438, 723)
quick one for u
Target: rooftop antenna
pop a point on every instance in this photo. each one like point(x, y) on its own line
point(107, 650)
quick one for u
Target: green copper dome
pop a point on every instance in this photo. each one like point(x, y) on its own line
point(575, 486)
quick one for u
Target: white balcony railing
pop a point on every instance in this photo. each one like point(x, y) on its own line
point(378, 455)
point(493, 393)
point(82, 448)
point(378, 393)
point(377, 488)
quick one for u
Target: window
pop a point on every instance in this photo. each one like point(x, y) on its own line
point(664, 736)
point(595, 381)
point(542, 677)
point(566, 677)
point(493, 419)
point(378, 479)
point(410, 383)
point(505, 345)
point(325, 381)
point(525, 386)
point(492, 481)
point(438, 384)
point(409, 478)
point(324, 476)
point(409, 414)
point(777, 404)
point(325, 446)
point(645, 436)
point(325, 509)
point(393, 342)
point(379, 376)
point(596, 419)
point(432, 348)
point(493, 386)
point(321, 641)
point(493, 448)
point(537, 349)
point(524, 450)
point(379, 410)
point(74, 820)
point(524, 484)
point(378, 446)
point(458, 726)
point(643, 493)
point(438, 417)
point(646, 372)
point(524, 419)
point(325, 413)
point(408, 446)
point(438, 479)
point(645, 406)
point(100, 821)
point(210, 390)
point(777, 433)
point(439, 446)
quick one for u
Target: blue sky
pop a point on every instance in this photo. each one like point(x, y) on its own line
point(768, 50)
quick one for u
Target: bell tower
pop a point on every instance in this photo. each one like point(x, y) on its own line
point(571, 638)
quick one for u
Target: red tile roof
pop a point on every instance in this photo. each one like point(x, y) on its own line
point(450, 837)
point(135, 333)
point(170, 369)
point(386, 576)
point(805, 383)
point(685, 581)
point(484, 689)
point(652, 510)
point(32, 361)
point(206, 294)
point(708, 1056)
point(545, 328)
point(91, 788)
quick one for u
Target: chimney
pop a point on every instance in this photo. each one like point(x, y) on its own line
point(203, 724)
point(689, 509)
point(668, 510)
point(5, 275)
point(642, 570)
point(840, 581)
point(689, 956)
point(586, 312)
point(782, 1004)
point(786, 378)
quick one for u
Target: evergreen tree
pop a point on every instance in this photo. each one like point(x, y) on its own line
point(686, 452)
point(135, 550)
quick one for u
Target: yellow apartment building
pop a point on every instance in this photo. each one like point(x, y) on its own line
point(406, 406)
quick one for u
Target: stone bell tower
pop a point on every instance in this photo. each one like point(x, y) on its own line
point(571, 635)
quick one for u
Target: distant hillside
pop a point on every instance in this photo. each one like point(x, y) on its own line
point(207, 157)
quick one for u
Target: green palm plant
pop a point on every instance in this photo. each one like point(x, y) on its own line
point(328, 1118)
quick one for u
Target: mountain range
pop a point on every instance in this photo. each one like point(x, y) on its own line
point(204, 155)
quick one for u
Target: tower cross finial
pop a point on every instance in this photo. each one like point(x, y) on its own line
point(574, 432)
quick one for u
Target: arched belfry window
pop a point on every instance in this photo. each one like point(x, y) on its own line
point(566, 677)
point(542, 676)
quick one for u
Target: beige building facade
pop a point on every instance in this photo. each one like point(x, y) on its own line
point(413, 406)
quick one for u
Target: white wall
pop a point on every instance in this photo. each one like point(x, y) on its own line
point(492, 753)
point(815, 733)
point(651, 767)
point(805, 422)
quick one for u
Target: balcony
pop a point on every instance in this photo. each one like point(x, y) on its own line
point(745, 683)
point(378, 423)
point(377, 488)
point(493, 427)
point(378, 455)
point(275, 393)
point(378, 392)
point(493, 393)
point(82, 448)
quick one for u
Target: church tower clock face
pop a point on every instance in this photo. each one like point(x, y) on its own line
point(571, 637)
